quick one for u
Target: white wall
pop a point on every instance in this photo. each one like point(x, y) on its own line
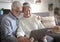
point(5, 5)
point(41, 7)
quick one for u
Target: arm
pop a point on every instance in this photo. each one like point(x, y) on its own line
point(38, 21)
point(41, 26)
point(21, 34)
point(6, 28)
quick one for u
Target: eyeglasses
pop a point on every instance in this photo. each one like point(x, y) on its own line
point(18, 11)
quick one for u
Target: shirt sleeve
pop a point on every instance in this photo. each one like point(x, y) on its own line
point(20, 31)
point(6, 25)
point(40, 25)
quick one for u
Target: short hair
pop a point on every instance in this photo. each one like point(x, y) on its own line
point(26, 4)
point(15, 4)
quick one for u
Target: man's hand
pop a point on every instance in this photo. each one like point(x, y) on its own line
point(23, 39)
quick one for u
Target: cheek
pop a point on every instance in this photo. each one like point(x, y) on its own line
point(25, 12)
point(18, 13)
point(20, 8)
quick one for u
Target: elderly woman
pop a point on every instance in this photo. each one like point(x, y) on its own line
point(27, 23)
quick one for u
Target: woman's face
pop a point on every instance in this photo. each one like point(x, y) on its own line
point(26, 11)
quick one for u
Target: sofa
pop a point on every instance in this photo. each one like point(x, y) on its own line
point(47, 21)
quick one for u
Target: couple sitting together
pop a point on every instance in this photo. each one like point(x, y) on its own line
point(17, 25)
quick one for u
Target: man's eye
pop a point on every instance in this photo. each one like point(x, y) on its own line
point(18, 11)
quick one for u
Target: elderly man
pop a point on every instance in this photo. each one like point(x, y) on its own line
point(27, 23)
point(10, 23)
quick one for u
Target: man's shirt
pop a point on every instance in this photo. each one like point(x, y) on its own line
point(9, 24)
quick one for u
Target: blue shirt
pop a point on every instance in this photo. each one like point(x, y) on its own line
point(9, 24)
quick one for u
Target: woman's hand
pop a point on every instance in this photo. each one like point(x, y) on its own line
point(23, 39)
point(32, 39)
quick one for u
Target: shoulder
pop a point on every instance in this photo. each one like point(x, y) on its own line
point(9, 17)
point(6, 18)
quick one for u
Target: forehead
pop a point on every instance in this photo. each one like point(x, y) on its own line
point(26, 8)
point(18, 8)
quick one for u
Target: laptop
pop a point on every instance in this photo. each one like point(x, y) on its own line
point(38, 34)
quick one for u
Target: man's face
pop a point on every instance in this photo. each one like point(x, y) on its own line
point(18, 11)
point(26, 11)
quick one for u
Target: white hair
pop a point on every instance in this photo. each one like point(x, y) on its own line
point(15, 4)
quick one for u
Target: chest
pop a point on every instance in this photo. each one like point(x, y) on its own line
point(14, 24)
point(29, 24)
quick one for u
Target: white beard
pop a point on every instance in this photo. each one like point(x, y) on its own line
point(20, 15)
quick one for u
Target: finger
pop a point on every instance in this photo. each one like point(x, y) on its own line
point(32, 39)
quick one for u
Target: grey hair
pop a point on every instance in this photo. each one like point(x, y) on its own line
point(15, 4)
